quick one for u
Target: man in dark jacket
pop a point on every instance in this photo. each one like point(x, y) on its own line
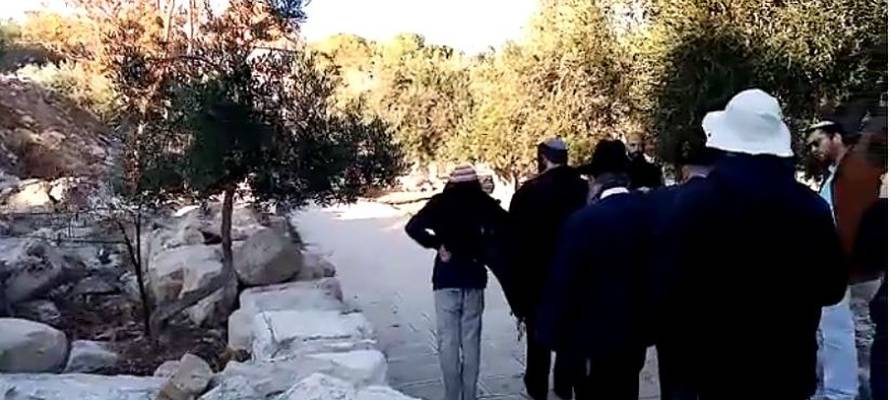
point(593, 304)
point(459, 223)
point(676, 378)
point(537, 212)
point(645, 174)
point(747, 261)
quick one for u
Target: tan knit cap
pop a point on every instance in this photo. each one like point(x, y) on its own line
point(463, 173)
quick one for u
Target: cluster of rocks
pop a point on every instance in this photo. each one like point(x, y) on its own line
point(304, 343)
point(296, 337)
point(183, 255)
point(28, 346)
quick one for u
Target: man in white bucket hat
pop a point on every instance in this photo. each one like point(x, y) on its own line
point(747, 259)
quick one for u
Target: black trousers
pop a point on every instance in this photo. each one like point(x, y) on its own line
point(569, 372)
point(616, 377)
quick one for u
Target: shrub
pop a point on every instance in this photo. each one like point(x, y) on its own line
point(87, 88)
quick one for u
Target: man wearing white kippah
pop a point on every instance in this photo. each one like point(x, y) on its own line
point(537, 212)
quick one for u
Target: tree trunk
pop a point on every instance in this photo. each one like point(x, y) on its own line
point(136, 259)
point(226, 231)
point(169, 27)
point(140, 277)
point(191, 26)
point(166, 311)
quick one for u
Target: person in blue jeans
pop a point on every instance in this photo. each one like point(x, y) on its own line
point(460, 224)
point(830, 142)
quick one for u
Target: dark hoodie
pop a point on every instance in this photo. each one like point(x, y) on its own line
point(747, 260)
point(538, 211)
point(464, 220)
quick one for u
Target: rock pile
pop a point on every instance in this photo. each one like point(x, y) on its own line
point(301, 340)
point(184, 255)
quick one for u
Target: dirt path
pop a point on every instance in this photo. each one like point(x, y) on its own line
point(388, 276)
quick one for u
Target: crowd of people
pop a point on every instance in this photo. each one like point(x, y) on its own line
point(738, 275)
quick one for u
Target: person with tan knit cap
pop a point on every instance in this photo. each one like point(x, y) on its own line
point(459, 224)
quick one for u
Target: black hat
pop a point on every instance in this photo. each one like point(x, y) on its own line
point(609, 156)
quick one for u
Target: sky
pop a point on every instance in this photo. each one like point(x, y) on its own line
point(468, 25)
point(15, 9)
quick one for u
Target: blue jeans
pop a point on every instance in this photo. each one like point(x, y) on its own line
point(840, 365)
point(459, 327)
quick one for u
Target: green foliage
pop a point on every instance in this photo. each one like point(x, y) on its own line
point(73, 37)
point(10, 32)
point(221, 110)
point(812, 55)
point(616, 68)
point(564, 80)
point(425, 97)
point(88, 89)
point(227, 114)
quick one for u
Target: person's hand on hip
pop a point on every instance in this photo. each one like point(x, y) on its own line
point(444, 254)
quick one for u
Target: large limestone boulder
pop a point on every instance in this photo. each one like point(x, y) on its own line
point(324, 294)
point(189, 381)
point(77, 386)
point(237, 387)
point(44, 311)
point(89, 356)
point(321, 387)
point(216, 308)
point(358, 368)
point(266, 378)
point(240, 330)
point(172, 270)
point(268, 256)
point(245, 221)
point(31, 193)
point(316, 266)
point(175, 272)
point(381, 393)
point(324, 387)
point(285, 333)
point(166, 369)
point(28, 346)
point(30, 267)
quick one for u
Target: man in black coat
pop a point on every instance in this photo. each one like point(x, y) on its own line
point(537, 212)
point(676, 379)
point(747, 260)
point(645, 174)
point(593, 304)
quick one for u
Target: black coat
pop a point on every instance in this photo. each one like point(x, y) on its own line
point(747, 260)
point(465, 220)
point(644, 173)
point(538, 211)
point(595, 300)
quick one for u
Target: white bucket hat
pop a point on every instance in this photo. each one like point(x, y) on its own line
point(750, 124)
